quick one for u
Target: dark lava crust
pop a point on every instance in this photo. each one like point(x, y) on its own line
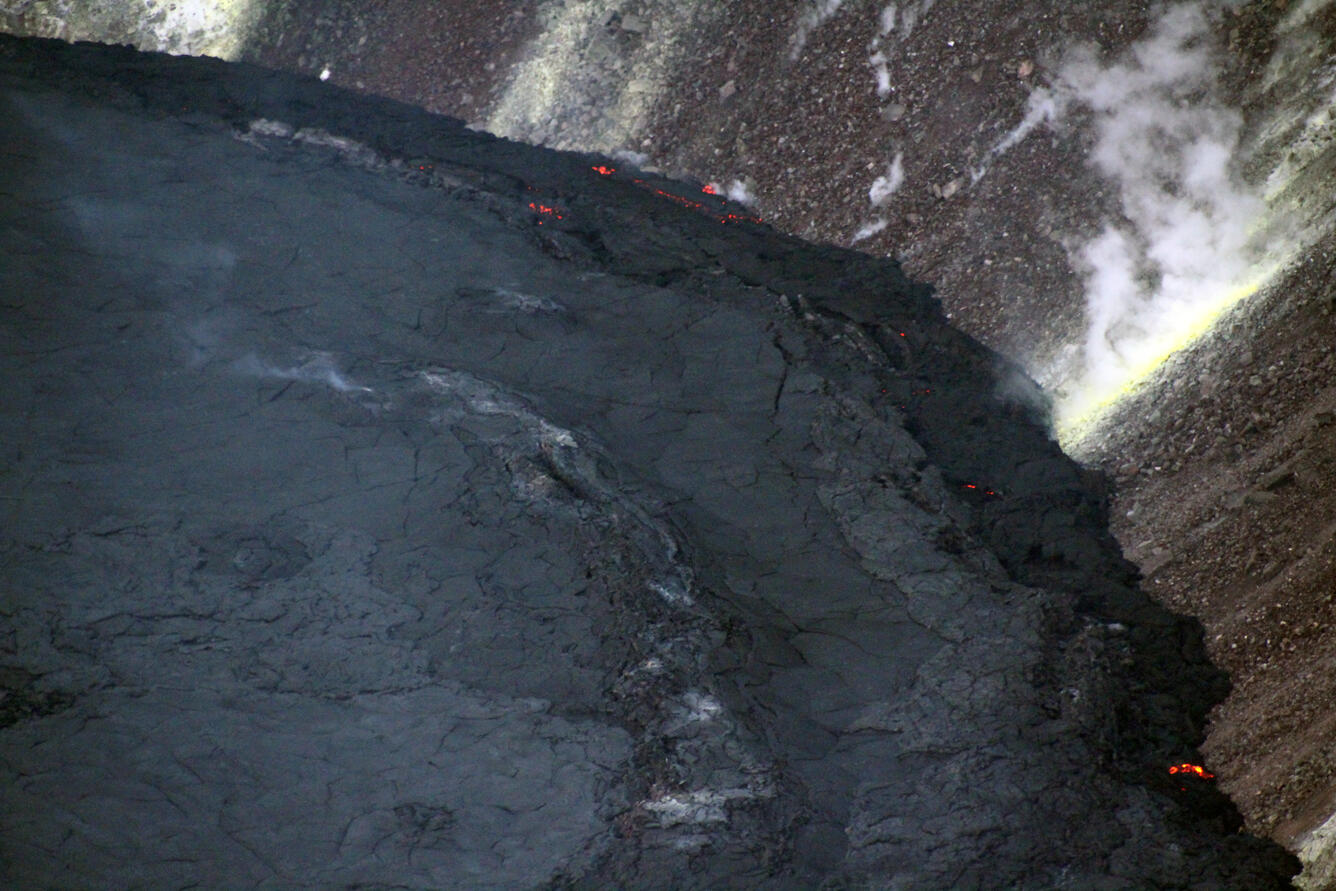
point(390, 505)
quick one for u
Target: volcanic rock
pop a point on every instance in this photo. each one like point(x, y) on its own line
point(392, 505)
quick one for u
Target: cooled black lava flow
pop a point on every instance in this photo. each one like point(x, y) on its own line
point(991, 434)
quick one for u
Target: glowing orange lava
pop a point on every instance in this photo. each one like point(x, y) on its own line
point(545, 211)
point(1195, 769)
point(604, 170)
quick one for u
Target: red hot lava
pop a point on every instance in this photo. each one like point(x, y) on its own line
point(544, 210)
point(1194, 769)
point(604, 170)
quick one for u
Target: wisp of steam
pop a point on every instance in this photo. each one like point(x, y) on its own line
point(1188, 247)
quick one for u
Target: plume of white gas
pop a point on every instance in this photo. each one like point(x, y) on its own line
point(1186, 248)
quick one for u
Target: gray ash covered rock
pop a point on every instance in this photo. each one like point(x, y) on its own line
point(389, 505)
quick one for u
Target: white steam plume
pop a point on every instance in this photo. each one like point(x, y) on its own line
point(737, 191)
point(869, 230)
point(1187, 248)
point(883, 187)
point(314, 367)
point(886, 21)
point(812, 18)
point(1043, 106)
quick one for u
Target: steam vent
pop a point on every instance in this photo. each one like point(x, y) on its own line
point(779, 444)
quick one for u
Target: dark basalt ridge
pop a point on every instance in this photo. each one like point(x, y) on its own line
point(390, 505)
